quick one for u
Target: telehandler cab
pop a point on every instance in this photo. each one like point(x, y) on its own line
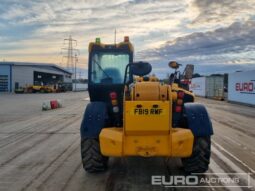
point(143, 118)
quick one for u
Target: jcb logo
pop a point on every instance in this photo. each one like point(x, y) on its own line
point(153, 111)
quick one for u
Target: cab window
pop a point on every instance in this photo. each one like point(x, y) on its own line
point(109, 67)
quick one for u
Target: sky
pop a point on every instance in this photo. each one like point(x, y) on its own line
point(216, 36)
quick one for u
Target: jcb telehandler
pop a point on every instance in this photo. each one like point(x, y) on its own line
point(146, 118)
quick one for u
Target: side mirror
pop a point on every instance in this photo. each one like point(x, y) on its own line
point(188, 71)
point(140, 68)
point(174, 65)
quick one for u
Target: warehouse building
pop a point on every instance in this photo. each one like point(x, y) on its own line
point(14, 75)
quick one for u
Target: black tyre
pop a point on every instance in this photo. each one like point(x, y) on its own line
point(92, 159)
point(199, 161)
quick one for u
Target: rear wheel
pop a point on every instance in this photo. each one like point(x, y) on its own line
point(92, 159)
point(199, 161)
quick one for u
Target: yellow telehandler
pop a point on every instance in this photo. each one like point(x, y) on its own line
point(146, 118)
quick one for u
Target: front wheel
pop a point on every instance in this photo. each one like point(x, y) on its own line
point(92, 159)
point(199, 161)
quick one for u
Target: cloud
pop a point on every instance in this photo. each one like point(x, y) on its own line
point(198, 31)
point(220, 13)
point(234, 44)
point(146, 22)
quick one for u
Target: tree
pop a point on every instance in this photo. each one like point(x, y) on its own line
point(196, 75)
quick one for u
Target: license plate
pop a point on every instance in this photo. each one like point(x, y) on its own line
point(148, 111)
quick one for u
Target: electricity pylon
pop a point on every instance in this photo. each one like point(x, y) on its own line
point(71, 53)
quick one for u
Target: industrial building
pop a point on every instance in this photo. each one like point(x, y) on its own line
point(14, 75)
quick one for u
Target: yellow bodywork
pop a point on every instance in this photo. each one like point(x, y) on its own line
point(36, 87)
point(147, 128)
point(131, 48)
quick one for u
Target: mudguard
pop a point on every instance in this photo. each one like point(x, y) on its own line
point(197, 119)
point(93, 120)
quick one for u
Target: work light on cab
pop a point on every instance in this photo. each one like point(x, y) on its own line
point(98, 40)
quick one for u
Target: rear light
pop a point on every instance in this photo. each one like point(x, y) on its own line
point(114, 102)
point(180, 94)
point(126, 39)
point(179, 101)
point(113, 95)
point(178, 108)
point(115, 109)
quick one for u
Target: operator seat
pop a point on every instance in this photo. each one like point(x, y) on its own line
point(114, 74)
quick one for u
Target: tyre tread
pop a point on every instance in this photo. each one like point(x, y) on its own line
point(92, 159)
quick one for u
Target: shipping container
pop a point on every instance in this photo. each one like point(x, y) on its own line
point(210, 86)
point(215, 87)
point(80, 87)
point(241, 87)
point(197, 86)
